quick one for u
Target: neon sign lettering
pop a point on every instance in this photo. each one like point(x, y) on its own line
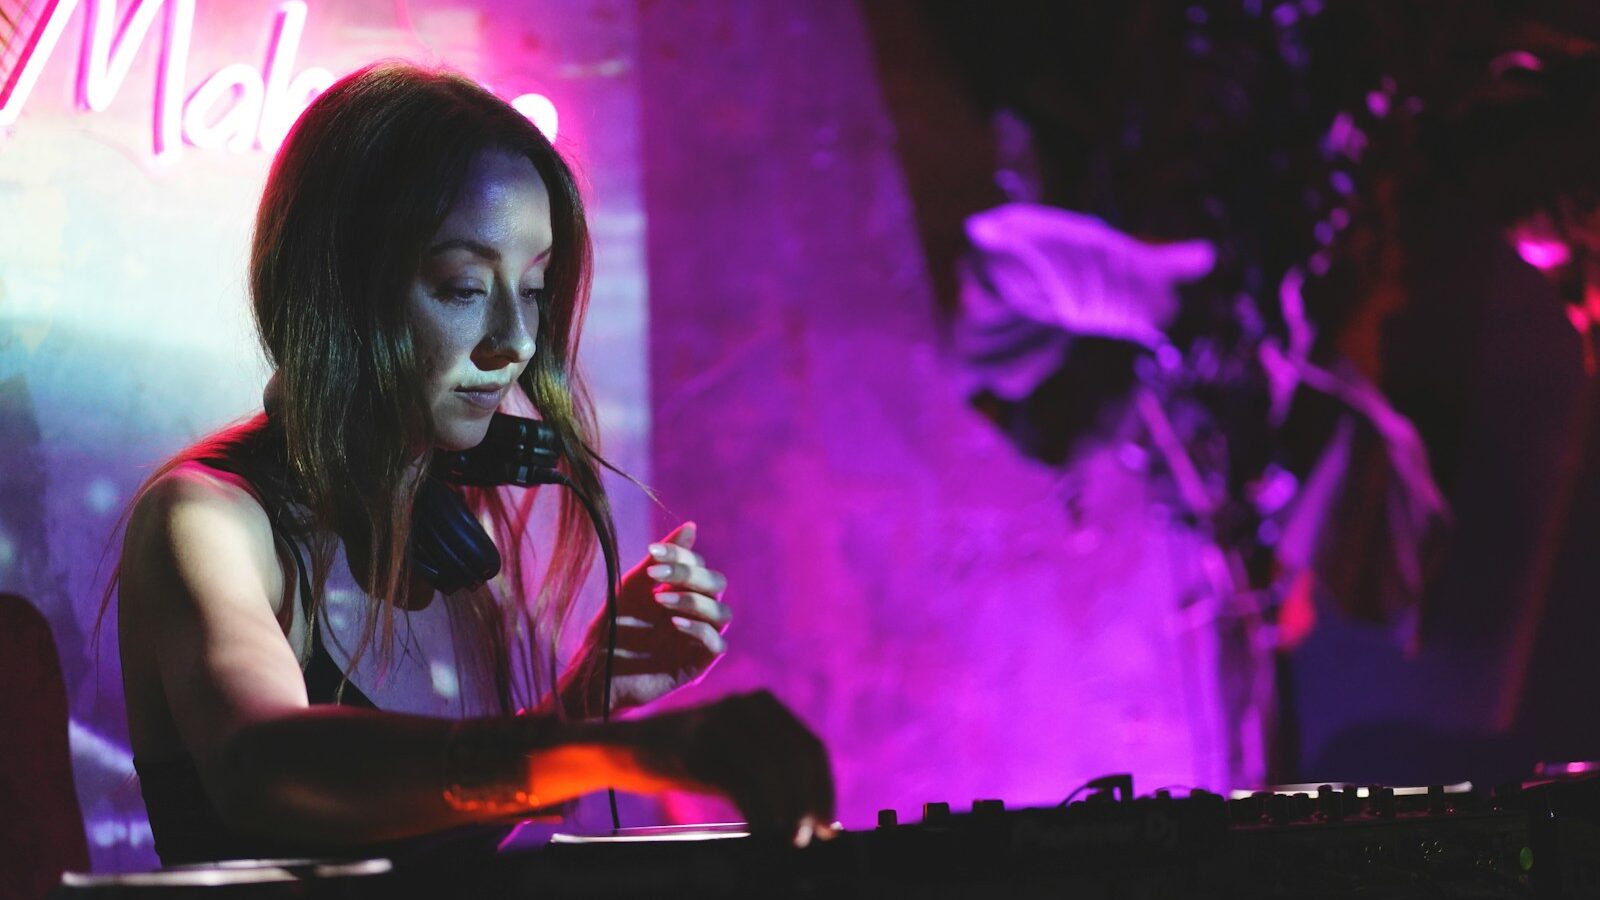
point(239, 107)
point(266, 104)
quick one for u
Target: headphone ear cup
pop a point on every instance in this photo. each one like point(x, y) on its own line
point(448, 544)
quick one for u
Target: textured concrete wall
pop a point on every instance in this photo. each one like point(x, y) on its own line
point(900, 575)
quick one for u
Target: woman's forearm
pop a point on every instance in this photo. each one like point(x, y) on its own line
point(358, 776)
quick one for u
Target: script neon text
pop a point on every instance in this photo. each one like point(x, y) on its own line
point(239, 107)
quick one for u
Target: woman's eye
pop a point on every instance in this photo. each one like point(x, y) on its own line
point(460, 293)
point(533, 295)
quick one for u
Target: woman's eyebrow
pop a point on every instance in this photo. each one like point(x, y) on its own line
point(477, 248)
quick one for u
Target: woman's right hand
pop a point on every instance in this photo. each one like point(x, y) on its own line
point(748, 747)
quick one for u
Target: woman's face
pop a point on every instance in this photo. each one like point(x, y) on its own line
point(474, 302)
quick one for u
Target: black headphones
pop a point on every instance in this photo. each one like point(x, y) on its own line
point(448, 544)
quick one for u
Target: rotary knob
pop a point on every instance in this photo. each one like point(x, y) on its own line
point(1330, 804)
point(1382, 802)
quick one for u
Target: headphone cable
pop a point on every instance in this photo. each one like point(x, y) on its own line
point(552, 476)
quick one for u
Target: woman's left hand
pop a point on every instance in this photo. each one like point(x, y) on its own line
point(670, 620)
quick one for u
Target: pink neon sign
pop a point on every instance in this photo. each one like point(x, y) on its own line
point(239, 107)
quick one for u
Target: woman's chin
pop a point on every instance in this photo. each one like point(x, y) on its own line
point(462, 436)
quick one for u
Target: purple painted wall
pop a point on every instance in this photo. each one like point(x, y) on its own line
point(899, 574)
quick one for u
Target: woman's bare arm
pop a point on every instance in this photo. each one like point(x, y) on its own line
point(198, 577)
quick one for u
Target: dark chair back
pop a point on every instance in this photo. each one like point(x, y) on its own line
point(41, 828)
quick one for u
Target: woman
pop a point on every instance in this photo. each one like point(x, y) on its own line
point(420, 260)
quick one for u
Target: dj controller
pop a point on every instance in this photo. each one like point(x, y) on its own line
point(1540, 840)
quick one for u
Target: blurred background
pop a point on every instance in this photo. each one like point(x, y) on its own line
point(1196, 390)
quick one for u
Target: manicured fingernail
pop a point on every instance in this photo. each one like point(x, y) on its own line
point(681, 623)
point(658, 572)
point(803, 837)
point(659, 551)
point(670, 599)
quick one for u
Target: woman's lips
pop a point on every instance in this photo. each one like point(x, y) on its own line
point(482, 398)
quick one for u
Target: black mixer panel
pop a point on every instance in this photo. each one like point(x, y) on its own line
point(1542, 841)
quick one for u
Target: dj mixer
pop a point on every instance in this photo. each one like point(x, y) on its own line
point(1536, 840)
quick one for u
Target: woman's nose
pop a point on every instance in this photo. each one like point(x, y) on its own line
point(513, 330)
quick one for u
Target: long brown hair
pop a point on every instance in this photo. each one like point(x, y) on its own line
point(361, 184)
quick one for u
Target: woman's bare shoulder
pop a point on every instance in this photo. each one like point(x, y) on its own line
point(199, 594)
point(194, 519)
point(192, 485)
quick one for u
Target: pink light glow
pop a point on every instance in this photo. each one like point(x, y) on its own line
point(238, 107)
point(108, 53)
point(170, 75)
point(34, 54)
point(109, 50)
point(286, 99)
point(264, 105)
point(1543, 253)
point(540, 111)
point(235, 128)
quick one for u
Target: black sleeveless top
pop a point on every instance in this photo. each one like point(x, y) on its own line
point(185, 824)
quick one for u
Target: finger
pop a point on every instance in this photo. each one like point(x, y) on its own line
point(675, 553)
point(697, 606)
point(682, 536)
point(699, 579)
point(714, 643)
